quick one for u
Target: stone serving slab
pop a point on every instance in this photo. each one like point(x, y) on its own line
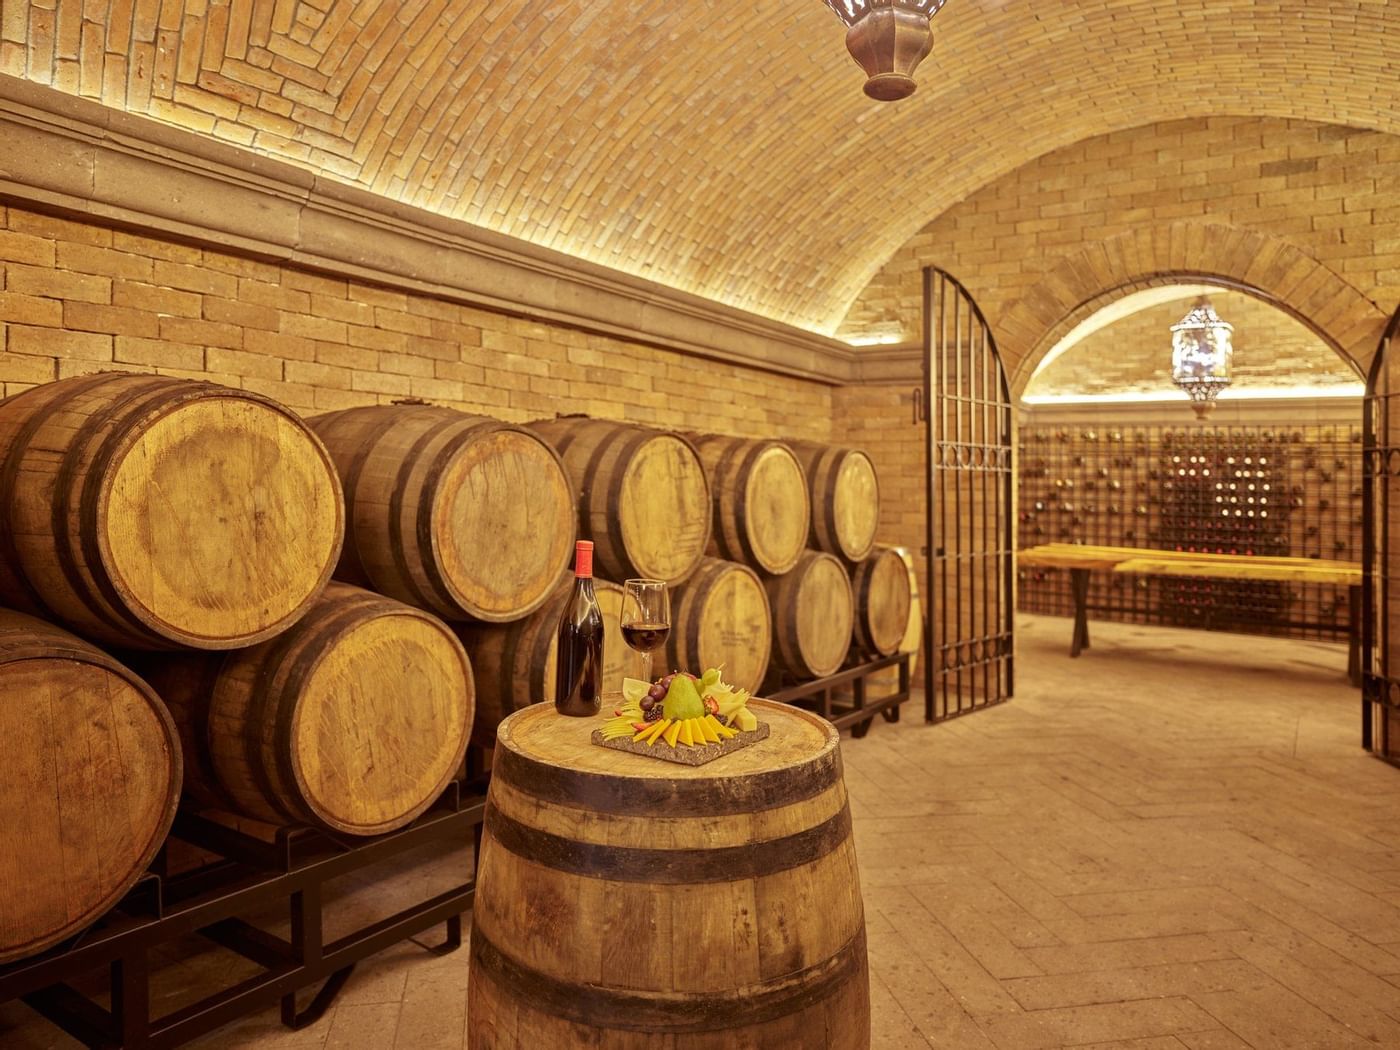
point(684, 754)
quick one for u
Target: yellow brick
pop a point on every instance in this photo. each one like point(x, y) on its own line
point(87, 258)
point(57, 343)
point(246, 315)
point(195, 279)
point(30, 309)
point(204, 333)
point(237, 362)
point(320, 328)
point(26, 248)
point(159, 353)
point(57, 284)
point(142, 296)
point(87, 317)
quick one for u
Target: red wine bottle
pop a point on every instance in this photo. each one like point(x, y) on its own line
point(578, 674)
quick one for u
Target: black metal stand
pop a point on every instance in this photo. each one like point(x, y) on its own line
point(861, 712)
point(292, 871)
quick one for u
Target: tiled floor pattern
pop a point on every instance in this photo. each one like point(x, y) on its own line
point(1172, 842)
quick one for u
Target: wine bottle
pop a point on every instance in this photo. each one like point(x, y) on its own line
point(578, 673)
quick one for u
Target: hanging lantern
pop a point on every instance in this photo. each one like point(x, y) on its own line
point(888, 39)
point(1201, 356)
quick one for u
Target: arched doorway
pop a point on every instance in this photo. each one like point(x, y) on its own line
point(1382, 700)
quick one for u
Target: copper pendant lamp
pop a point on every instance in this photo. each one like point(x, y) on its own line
point(888, 39)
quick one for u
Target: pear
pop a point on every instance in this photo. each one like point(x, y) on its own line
point(682, 700)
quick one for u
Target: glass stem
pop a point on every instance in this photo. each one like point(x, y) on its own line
point(646, 667)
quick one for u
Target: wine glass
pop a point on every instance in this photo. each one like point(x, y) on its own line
point(646, 618)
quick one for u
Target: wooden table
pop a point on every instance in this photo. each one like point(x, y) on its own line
point(1081, 559)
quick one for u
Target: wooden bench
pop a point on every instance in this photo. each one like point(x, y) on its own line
point(1081, 560)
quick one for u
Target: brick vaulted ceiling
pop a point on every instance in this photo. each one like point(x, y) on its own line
point(721, 149)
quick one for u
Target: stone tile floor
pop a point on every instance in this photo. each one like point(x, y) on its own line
point(1172, 842)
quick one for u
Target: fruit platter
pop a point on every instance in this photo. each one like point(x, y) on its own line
point(681, 718)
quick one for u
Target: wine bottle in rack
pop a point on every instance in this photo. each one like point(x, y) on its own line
point(578, 671)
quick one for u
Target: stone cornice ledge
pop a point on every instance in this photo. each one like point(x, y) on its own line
point(896, 363)
point(80, 158)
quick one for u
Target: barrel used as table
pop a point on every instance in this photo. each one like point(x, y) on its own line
point(616, 907)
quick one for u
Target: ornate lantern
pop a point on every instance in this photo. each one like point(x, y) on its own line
point(1201, 356)
point(888, 39)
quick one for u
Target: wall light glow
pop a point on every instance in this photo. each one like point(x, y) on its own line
point(1259, 393)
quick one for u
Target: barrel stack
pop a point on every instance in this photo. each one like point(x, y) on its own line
point(196, 529)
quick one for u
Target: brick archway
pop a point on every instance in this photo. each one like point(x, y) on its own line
point(1267, 267)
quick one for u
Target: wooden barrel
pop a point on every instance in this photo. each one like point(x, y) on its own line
point(812, 616)
point(156, 513)
point(720, 618)
point(624, 901)
point(762, 508)
point(91, 780)
point(643, 497)
point(465, 516)
point(882, 602)
point(354, 720)
point(845, 498)
point(514, 663)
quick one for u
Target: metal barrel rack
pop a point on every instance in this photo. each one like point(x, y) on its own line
point(253, 876)
point(820, 695)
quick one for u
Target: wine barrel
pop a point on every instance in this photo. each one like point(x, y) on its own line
point(647, 904)
point(720, 618)
point(353, 721)
point(643, 497)
point(462, 515)
point(156, 513)
point(762, 508)
point(91, 781)
point(514, 663)
point(812, 616)
point(845, 498)
point(882, 602)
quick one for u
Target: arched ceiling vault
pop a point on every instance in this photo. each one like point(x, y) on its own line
point(725, 150)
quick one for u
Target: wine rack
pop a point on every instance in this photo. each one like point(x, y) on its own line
point(1246, 490)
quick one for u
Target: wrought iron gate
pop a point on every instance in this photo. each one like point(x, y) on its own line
point(971, 564)
point(1380, 543)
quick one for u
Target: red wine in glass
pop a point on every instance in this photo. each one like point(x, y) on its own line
point(644, 637)
point(646, 618)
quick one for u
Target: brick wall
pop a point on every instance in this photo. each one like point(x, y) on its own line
point(80, 298)
point(1330, 192)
